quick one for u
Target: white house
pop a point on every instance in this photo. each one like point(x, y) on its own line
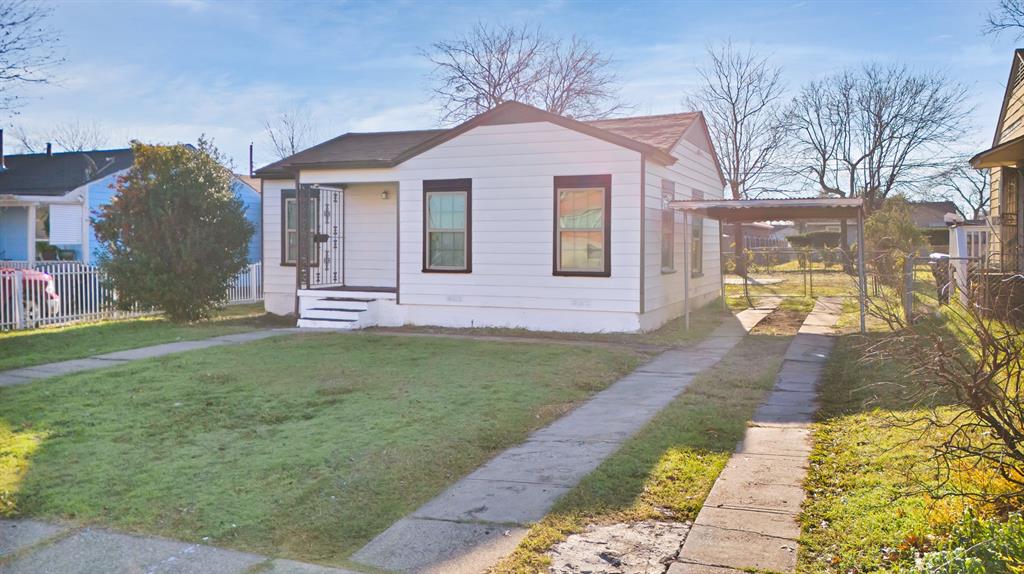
point(515, 218)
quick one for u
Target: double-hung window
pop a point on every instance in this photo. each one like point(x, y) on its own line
point(668, 227)
point(447, 225)
point(582, 225)
point(290, 228)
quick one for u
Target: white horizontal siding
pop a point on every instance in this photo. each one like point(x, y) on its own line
point(370, 238)
point(278, 280)
point(665, 292)
point(513, 169)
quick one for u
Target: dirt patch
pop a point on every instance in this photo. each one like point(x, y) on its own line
point(639, 548)
point(781, 322)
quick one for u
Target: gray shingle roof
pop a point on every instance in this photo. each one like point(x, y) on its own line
point(649, 134)
point(57, 174)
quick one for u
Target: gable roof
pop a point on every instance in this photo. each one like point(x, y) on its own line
point(930, 213)
point(57, 174)
point(1015, 70)
point(653, 136)
point(662, 132)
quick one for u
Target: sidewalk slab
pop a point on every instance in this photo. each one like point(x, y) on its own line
point(19, 534)
point(34, 373)
point(494, 501)
point(411, 543)
point(691, 568)
point(765, 523)
point(740, 549)
point(561, 463)
point(776, 442)
point(11, 378)
point(292, 567)
point(770, 415)
point(161, 350)
point(91, 551)
point(68, 367)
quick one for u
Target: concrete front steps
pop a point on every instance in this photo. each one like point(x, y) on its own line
point(340, 309)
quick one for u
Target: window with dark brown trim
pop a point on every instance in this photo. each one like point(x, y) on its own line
point(582, 226)
point(448, 226)
point(290, 229)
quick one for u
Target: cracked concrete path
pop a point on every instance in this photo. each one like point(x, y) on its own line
point(749, 520)
point(34, 373)
point(34, 547)
point(483, 516)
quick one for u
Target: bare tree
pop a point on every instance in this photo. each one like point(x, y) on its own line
point(490, 65)
point(26, 142)
point(870, 132)
point(27, 48)
point(967, 187)
point(740, 96)
point(1008, 16)
point(873, 131)
point(577, 82)
point(290, 131)
point(77, 135)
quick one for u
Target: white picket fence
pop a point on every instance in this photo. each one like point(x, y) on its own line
point(77, 293)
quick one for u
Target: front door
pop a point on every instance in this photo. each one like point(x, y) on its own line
point(321, 216)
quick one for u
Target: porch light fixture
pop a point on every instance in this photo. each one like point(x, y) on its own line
point(384, 194)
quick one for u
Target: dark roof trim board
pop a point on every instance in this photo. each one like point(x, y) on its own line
point(388, 150)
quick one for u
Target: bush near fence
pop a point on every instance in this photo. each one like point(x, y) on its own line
point(84, 295)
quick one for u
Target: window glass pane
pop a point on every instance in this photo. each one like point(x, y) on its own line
point(291, 245)
point(581, 208)
point(291, 214)
point(447, 249)
point(446, 210)
point(582, 250)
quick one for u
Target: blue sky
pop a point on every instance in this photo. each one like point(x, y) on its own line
point(168, 71)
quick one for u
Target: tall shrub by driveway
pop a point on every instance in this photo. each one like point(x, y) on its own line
point(175, 233)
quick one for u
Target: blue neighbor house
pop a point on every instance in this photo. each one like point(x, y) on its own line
point(46, 200)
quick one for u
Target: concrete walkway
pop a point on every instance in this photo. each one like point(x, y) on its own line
point(749, 520)
point(483, 516)
point(32, 547)
point(29, 374)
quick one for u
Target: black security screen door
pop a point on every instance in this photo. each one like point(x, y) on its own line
point(321, 263)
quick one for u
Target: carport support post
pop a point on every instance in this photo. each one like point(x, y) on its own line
point(721, 267)
point(686, 270)
point(860, 269)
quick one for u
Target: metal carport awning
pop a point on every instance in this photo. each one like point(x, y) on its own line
point(751, 210)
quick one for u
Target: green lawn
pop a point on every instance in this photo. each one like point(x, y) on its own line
point(869, 507)
point(303, 446)
point(35, 347)
point(666, 470)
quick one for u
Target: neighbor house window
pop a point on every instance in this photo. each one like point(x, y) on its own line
point(42, 223)
point(668, 227)
point(447, 225)
point(290, 228)
point(582, 225)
